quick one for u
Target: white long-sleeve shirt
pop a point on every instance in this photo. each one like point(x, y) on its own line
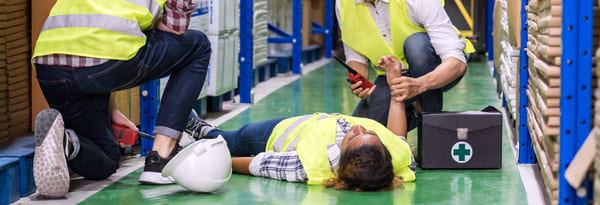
point(428, 14)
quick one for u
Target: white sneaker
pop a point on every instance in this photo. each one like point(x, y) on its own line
point(50, 171)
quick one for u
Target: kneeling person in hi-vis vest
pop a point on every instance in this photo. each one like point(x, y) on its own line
point(419, 34)
point(335, 150)
point(88, 49)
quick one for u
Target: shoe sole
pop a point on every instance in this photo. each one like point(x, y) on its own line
point(50, 171)
point(154, 178)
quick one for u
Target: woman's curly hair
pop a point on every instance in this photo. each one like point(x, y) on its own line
point(367, 168)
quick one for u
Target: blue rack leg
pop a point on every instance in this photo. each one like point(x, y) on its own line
point(149, 109)
point(489, 43)
point(575, 96)
point(526, 151)
point(297, 37)
point(246, 49)
point(328, 29)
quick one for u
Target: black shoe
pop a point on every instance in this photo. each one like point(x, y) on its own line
point(196, 129)
point(153, 167)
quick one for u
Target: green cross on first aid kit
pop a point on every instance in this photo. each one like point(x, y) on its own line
point(460, 140)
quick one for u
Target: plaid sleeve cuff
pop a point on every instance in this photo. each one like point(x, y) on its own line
point(254, 166)
point(177, 14)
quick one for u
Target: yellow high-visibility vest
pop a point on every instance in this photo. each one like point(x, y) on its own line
point(309, 135)
point(362, 34)
point(107, 29)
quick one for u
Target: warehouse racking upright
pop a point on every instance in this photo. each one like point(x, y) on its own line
point(572, 23)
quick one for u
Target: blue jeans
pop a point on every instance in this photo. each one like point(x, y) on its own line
point(82, 94)
point(249, 140)
point(422, 59)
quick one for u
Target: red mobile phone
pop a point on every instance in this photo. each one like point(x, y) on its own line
point(354, 77)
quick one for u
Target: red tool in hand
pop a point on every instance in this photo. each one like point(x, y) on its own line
point(354, 77)
point(126, 135)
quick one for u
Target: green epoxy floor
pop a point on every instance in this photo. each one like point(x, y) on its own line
point(325, 90)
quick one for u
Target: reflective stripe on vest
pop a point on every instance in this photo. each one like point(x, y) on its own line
point(108, 29)
point(278, 144)
point(292, 145)
point(103, 21)
point(150, 4)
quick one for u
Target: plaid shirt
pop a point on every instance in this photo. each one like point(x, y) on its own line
point(176, 16)
point(286, 166)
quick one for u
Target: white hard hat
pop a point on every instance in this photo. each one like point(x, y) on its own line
point(203, 166)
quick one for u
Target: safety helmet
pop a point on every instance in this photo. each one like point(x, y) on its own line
point(203, 166)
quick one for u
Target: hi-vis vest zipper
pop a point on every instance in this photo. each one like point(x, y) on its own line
point(362, 34)
point(107, 29)
point(309, 136)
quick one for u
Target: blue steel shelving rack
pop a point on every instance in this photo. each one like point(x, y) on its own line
point(526, 152)
point(246, 41)
point(148, 112)
point(575, 94)
point(246, 50)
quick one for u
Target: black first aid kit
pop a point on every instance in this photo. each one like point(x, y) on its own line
point(460, 140)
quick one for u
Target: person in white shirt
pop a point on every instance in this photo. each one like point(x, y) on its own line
point(420, 33)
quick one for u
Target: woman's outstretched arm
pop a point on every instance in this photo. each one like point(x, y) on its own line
point(397, 113)
point(241, 165)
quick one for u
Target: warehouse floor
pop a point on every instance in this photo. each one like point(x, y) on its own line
point(326, 90)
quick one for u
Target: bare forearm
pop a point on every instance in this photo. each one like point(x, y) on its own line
point(397, 118)
point(450, 70)
point(360, 68)
point(241, 165)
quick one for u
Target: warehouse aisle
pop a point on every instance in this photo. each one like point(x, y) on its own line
point(325, 90)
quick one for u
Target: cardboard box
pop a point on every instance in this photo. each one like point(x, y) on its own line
point(460, 140)
point(497, 33)
point(221, 76)
point(306, 22)
point(318, 15)
point(513, 12)
point(210, 17)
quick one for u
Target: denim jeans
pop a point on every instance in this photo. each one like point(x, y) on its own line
point(249, 140)
point(82, 94)
point(422, 59)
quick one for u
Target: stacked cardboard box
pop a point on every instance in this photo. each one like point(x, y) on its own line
point(15, 108)
point(507, 57)
point(543, 113)
point(4, 137)
point(597, 134)
point(544, 51)
point(220, 21)
point(508, 75)
point(261, 31)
